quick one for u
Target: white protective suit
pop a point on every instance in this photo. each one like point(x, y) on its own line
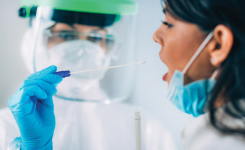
point(93, 126)
point(84, 125)
point(201, 135)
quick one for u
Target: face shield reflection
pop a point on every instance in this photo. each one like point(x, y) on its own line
point(100, 37)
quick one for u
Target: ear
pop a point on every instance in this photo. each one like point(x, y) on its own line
point(222, 44)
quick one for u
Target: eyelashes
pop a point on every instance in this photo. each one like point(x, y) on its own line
point(167, 24)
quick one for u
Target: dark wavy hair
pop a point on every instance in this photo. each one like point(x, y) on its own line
point(208, 14)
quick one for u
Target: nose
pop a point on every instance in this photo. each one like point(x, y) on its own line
point(156, 37)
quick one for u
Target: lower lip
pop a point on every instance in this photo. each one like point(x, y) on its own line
point(165, 77)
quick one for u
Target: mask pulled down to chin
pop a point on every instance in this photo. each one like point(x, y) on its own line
point(191, 98)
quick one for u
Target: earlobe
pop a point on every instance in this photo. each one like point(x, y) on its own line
point(223, 39)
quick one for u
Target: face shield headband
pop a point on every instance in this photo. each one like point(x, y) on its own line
point(72, 17)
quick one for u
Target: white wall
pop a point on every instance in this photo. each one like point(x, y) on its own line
point(149, 91)
point(13, 71)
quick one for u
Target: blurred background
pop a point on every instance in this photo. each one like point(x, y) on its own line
point(149, 89)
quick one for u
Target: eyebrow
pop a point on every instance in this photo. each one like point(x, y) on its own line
point(169, 12)
point(165, 10)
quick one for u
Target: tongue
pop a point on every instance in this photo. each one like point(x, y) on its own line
point(165, 76)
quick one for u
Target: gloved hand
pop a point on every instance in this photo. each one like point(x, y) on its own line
point(33, 109)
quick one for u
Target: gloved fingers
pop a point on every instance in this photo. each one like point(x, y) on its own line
point(40, 74)
point(48, 104)
point(25, 110)
point(24, 95)
point(47, 75)
point(34, 90)
point(47, 87)
point(52, 79)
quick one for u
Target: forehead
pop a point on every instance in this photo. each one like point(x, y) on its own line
point(168, 11)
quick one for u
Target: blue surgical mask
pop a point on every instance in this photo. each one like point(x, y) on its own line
point(191, 98)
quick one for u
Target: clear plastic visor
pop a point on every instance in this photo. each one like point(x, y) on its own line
point(78, 41)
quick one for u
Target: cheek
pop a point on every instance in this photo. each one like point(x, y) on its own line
point(173, 52)
point(176, 52)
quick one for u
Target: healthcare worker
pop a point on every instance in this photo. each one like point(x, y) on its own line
point(203, 45)
point(51, 112)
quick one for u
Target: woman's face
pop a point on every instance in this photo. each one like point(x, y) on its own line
point(179, 41)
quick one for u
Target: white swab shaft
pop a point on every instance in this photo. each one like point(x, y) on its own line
point(107, 68)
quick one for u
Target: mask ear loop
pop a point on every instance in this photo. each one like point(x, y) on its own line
point(215, 74)
point(199, 50)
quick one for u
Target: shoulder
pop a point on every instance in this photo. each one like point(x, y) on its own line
point(201, 135)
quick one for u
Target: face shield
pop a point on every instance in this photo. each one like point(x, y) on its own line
point(79, 41)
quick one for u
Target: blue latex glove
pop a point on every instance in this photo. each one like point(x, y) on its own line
point(33, 109)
